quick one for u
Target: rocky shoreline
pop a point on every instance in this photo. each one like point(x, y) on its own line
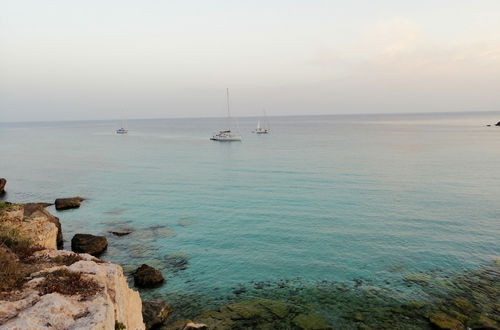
point(44, 287)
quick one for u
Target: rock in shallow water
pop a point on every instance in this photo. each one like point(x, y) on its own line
point(86, 243)
point(310, 322)
point(121, 232)
point(176, 261)
point(155, 312)
point(68, 203)
point(443, 321)
point(147, 277)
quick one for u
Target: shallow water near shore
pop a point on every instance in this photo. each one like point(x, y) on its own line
point(360, 202)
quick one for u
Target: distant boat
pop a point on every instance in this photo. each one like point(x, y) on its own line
point(226, 135)
point(123, 129)
point(262, 129)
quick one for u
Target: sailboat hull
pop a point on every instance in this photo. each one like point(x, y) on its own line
point(225, 138)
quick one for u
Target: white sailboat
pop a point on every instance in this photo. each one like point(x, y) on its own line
point(262, 129)
point(226, 135)
point(123, 129)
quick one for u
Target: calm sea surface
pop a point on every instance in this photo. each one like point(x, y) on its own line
point(321, 198)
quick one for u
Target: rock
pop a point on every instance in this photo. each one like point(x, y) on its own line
point(464, 305)
point(38, 210)
point(418, 278)
point(114, 303)
point(443, 321)
point(122, 232)
point(68, 203)
point(176, 262)
point(40, 227)
point(485, 323)
point(310, 322)
point(497, 124)
point(155, 312)
point(3, 182)
point(147, 277)
point(86, 243)
point(195, 326)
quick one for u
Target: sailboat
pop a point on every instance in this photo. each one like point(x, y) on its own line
point(261, 129)
point(123, 129)
point(227, 134)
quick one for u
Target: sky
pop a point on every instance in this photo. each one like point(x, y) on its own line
point(94, 59)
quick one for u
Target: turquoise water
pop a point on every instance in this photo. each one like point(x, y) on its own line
point(335, 198)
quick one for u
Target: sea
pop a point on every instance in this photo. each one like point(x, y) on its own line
point(362, 201)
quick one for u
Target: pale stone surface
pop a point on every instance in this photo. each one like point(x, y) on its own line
point(116, 302)
point(38, 228)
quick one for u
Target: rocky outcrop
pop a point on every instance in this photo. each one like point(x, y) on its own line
point(38, 209)
point(155, 312)
point(113, 303)
point(3, 182)
point(68, 203)
point(497, 124)
point(86, 243)
point(147, 277)
point(35, 224)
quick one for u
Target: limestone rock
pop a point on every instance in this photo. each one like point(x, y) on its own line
point(86, 243)
point(147, 277)
point(38, 210)
point(115, 302)
point(68, 203)
point(195, 326)
point(155, 312)
point(40, 227)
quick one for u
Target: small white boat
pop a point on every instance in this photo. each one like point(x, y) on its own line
point(262, 129)
point(226, 135)
point(123, 129)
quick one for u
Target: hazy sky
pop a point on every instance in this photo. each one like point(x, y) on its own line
point(66, 60)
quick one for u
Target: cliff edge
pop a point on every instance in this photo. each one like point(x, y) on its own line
point(45, 288)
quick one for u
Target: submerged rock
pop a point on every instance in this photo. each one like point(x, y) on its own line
point(418, 278)
point(86, 243)
point(154, 232)
point(147, 277)
point(176, 262)
point(310, 322)
point(68, 203)
point(155, 312)
point(122, 232)
point(443, 321)
point(256, 314)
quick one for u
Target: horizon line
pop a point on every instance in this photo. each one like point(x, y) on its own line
point(253, 116)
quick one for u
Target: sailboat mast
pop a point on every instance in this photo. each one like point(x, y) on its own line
point(228, 112)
